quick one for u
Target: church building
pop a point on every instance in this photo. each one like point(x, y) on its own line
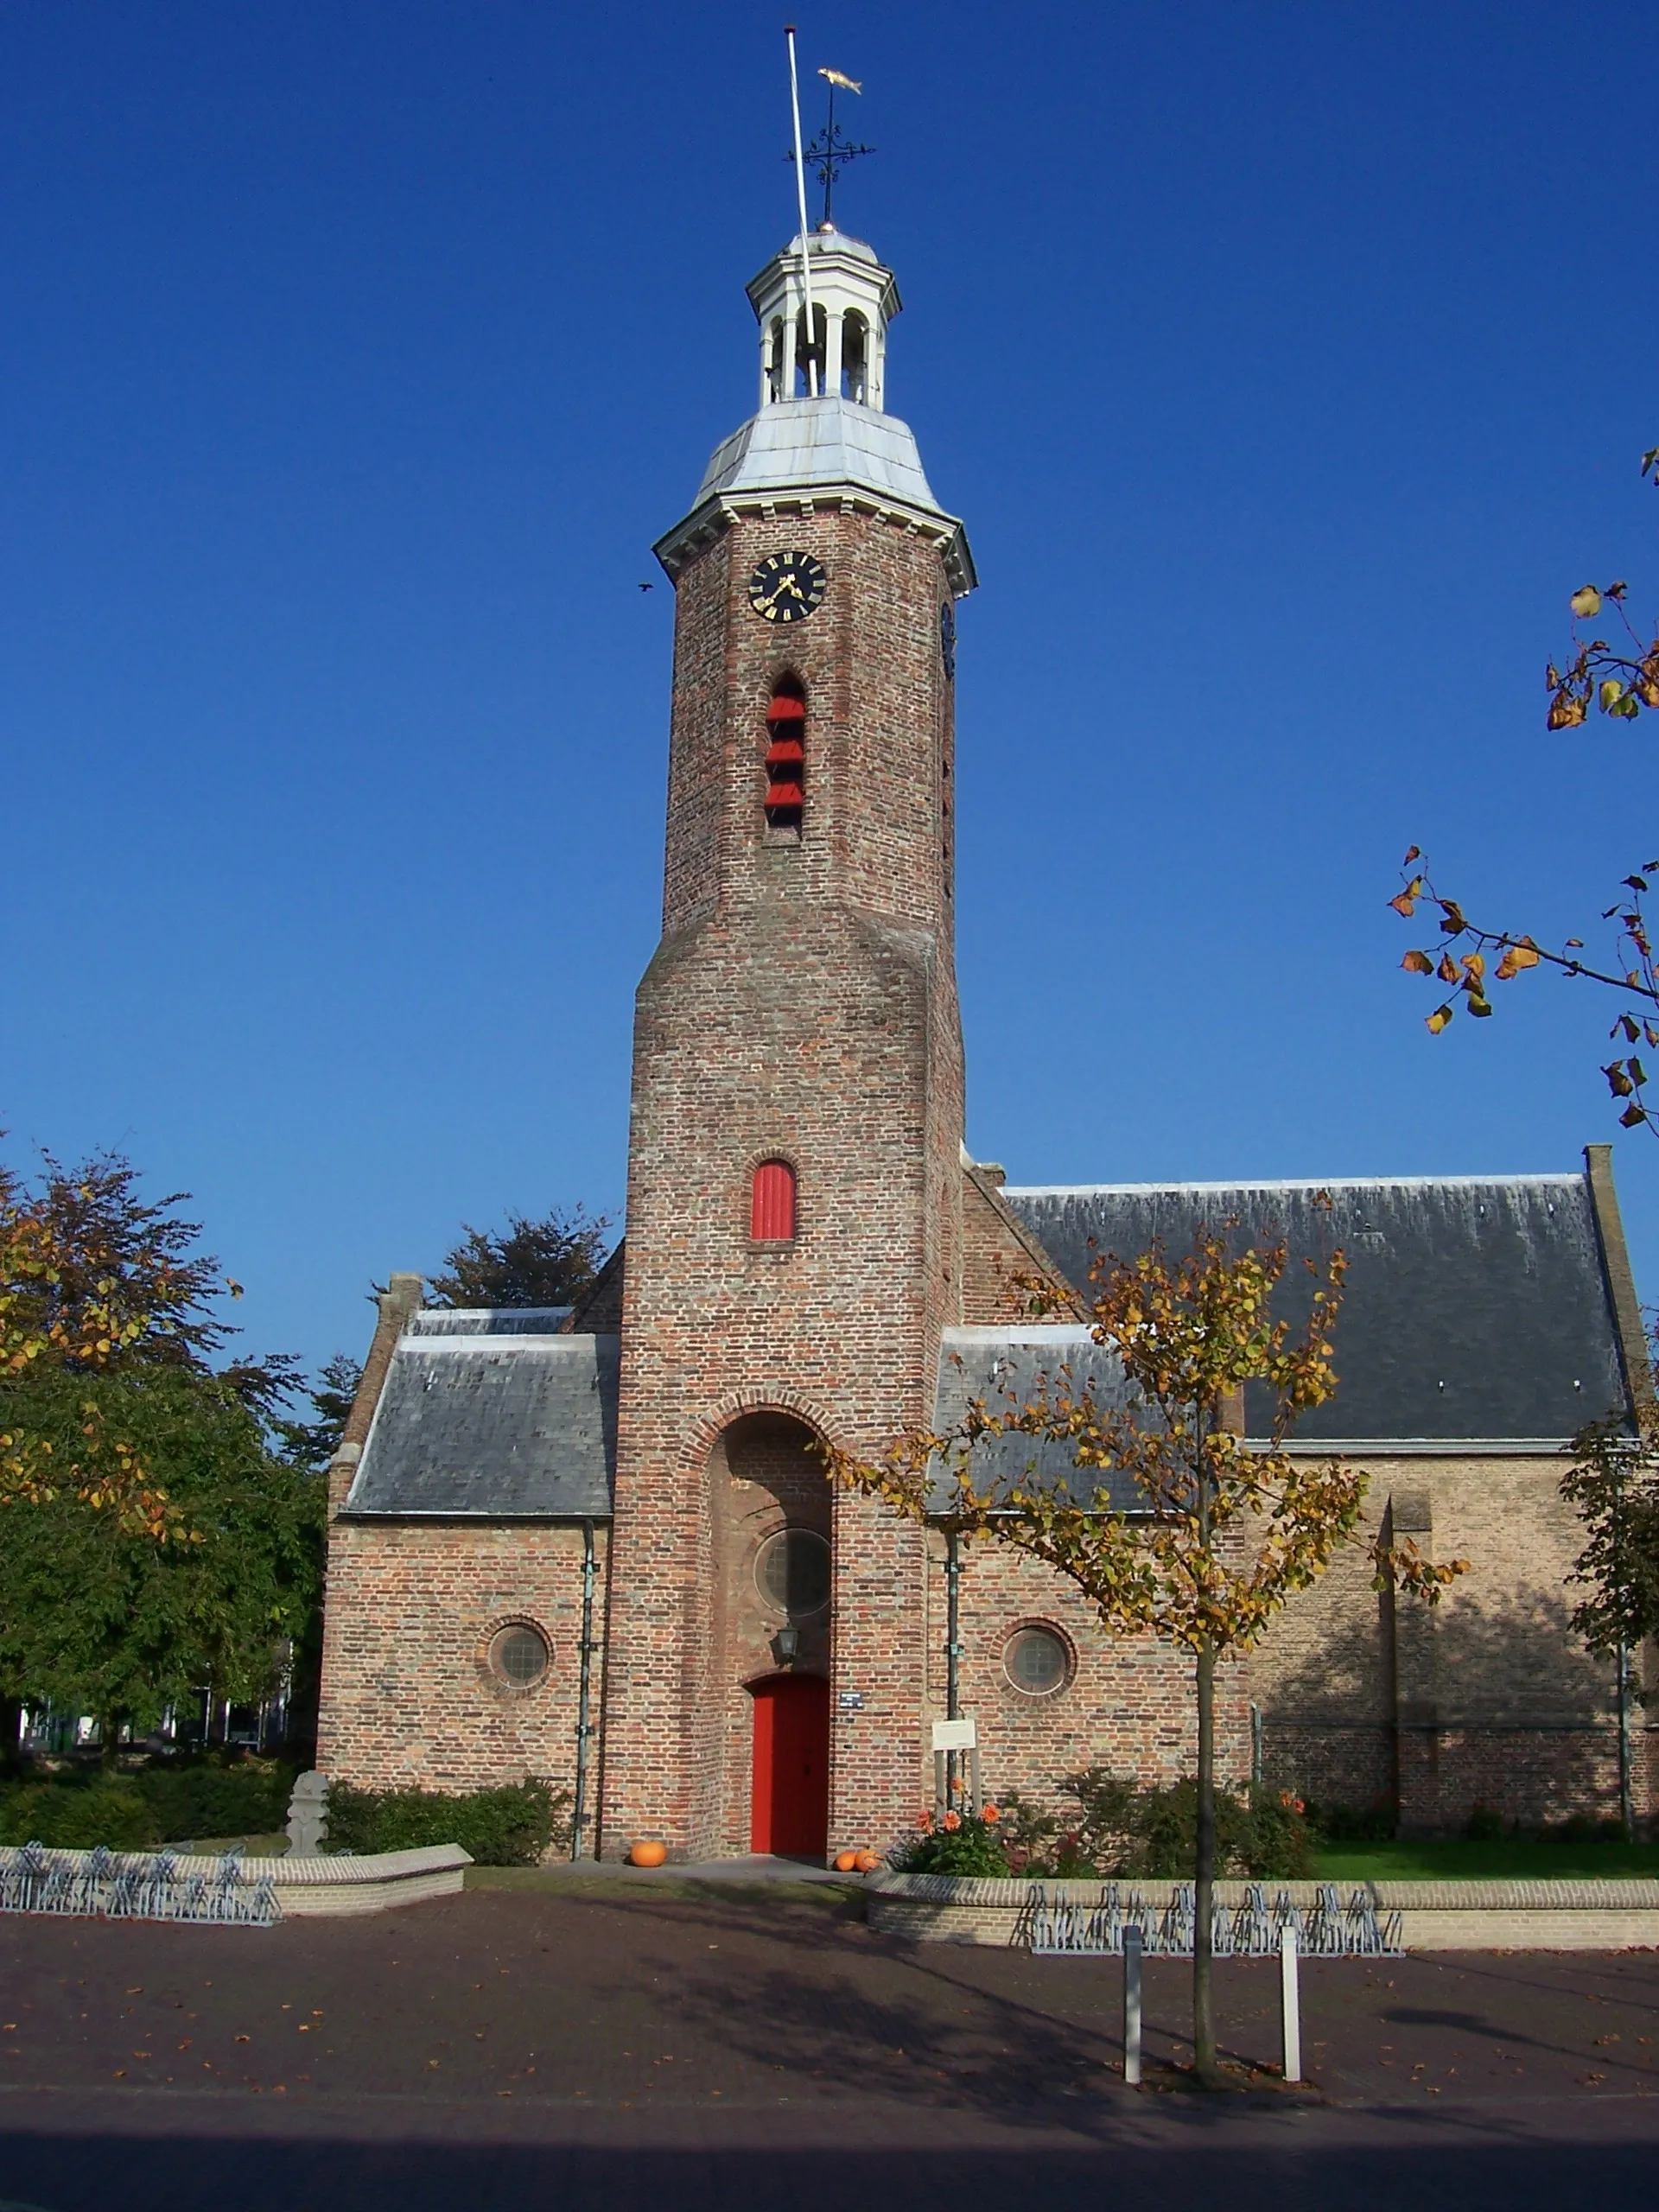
point(599, 1545)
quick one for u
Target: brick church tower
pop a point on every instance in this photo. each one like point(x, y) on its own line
point(793, 1245)
point(598, 1545)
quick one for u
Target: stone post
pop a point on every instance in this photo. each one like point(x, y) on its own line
point(307, 1815)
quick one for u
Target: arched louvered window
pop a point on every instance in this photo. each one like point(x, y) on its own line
point(772, 1209)
point(786, 756)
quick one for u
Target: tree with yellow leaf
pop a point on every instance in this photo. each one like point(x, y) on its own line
point(1620, 680)
point(153, 1542)
point(1173, 1523)
point(81, 1285)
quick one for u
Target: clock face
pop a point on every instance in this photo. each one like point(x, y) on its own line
point(787, 586)
point(948, 638)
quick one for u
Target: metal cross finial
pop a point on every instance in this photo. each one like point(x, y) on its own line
point(831, 149)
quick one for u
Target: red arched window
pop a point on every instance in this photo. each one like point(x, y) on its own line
point(772, 1210)
point(786, 756)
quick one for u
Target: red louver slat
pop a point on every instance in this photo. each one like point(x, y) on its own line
point(771, 1215)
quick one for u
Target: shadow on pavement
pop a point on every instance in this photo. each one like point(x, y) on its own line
point(182, 2173)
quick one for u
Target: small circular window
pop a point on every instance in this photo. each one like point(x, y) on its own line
point(518, 1654)
point(792, 1572)
point(1037, 1661)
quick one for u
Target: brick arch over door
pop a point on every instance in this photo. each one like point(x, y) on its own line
point(764, 1477)
point(707, 1430)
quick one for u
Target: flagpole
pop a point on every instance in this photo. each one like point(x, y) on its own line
point(800, 193)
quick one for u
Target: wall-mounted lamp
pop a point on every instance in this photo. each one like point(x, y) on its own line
point(786, 1644)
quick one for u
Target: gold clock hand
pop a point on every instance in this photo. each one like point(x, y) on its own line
point(784, 584)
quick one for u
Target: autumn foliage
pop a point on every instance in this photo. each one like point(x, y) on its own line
point(1173, 1523)
point(77, 1293)
point(1619, 678)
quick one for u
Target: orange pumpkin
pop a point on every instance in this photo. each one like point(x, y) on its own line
point(868, 1861)
point(846, 1861)
point(648, 1852)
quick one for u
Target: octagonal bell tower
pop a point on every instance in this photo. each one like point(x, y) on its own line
point(793, 1232)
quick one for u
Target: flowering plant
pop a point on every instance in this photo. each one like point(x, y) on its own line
point(956, 1843)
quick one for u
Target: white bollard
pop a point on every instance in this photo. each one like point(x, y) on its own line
point(1131, 2007)
point(1290, 2005)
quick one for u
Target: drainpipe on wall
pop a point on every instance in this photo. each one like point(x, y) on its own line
point(584, 1727)
point(952, 1653)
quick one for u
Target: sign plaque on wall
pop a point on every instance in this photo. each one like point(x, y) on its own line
point(955, 1735)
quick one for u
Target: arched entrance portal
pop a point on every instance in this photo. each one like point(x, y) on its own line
point(790, 1805)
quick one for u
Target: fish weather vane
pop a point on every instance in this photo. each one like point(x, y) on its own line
point(831, 149)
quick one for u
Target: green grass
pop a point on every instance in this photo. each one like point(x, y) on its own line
point(273, 1846)
point(1454, 1859)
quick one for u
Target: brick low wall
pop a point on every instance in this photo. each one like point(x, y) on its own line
point(308, 1888)
point(1435, 1915)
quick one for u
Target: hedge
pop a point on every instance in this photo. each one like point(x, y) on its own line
point(516, 1826)
point(155, 1805)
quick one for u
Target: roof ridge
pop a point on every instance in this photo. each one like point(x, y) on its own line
point(1558, 1179)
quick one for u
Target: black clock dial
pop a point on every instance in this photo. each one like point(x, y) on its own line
point(787, 586)
point(948, 637)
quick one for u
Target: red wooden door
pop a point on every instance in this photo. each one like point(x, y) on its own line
point(790, 1813)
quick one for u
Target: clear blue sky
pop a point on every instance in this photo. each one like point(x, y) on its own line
point(1290, 363)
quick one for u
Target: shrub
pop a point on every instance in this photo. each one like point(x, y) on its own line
point(1126, 1828)
point(1484, 1825)
point(974, 1844)
point(1373, 1823)
point(76, 1816)
point(157, 1805)
point(249, 1798)
point(510, 1827)
point(1121, 1829)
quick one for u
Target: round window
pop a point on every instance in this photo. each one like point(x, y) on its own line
point(1037, 1661)
point(792, 1572)
point(518, 1654)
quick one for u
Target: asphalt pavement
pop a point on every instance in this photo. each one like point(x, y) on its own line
point(598, 2043)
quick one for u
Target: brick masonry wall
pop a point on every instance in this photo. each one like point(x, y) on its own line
point(1488, 1699)
point(413, 1701)
point(802, 1004)
point(998, 1254)
point(1129, 1703)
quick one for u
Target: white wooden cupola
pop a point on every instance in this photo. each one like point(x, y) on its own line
point(854, 299)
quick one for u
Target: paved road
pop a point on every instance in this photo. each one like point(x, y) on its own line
point(691, 2048)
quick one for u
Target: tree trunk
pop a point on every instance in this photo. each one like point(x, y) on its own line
point(109, 1740)
point(1203, 2015)
point(11, 1722)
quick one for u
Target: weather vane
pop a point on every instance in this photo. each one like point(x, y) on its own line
point(831, 149)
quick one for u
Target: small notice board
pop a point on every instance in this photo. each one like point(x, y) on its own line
point(955, 1735)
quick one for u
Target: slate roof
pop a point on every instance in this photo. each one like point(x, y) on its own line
point(490, 1321)
point(480, 1419)
point(1006, 1366)
point(1476, 1309)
